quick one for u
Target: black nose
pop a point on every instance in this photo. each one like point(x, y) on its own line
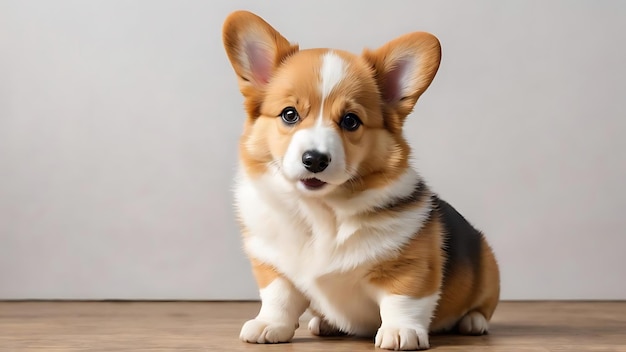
point(315, 161)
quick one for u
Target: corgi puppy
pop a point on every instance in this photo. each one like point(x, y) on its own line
point(334, 218)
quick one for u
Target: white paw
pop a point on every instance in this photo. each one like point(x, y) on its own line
point(473, 323)
point(257, 331)
point(320, 327)
point(402, 339)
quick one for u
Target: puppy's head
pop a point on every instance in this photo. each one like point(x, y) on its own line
point(326, 120)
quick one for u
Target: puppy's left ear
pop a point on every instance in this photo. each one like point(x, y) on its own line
point(404, 68)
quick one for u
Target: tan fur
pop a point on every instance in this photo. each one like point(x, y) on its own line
point(417, 270)
point(489, 282)
point(467, 289)
point(263, 273)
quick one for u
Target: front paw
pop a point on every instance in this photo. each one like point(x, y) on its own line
point(402, 339)
point(258, 331)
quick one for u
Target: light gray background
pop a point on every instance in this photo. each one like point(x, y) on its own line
point(119, 123)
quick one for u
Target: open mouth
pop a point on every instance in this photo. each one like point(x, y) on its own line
point(313, 183)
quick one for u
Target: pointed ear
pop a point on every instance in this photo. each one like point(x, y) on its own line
point(404, 68)
point(254, 48)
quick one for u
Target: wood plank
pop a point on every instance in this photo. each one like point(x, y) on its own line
point(214, 326)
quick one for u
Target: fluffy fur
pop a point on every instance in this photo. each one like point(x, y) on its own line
point(360, 241)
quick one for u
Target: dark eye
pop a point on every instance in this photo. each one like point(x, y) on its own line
point(290, 115)
point(350, 122)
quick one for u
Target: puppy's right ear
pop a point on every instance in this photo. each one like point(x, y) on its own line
point(254, 49)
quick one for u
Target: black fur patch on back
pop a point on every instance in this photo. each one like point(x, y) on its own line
point(462, 242)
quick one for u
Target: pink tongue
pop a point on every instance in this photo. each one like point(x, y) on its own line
point(313, 182)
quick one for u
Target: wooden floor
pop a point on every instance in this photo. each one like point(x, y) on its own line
point(179, 326)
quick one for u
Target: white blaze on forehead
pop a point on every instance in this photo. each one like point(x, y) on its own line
point(333, 71)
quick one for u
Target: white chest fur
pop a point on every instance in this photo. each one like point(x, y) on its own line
point(323, 246)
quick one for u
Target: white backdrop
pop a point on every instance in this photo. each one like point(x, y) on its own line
point(119, 123)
